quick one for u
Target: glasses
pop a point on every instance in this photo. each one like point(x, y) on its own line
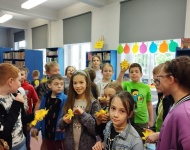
point(163, 76)
point(156, 82)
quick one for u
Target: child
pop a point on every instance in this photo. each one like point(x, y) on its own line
point(68, 73)
point(142, 97)
point(119, 133)
point(92, 75)
point(10, 106)
point(36, 81)
point(110, 90)
point(53, 101)
point(29, 90)
point(79, 130)
point(107, 72)
point(96, 62)
point(51, 69)
point(32, 98)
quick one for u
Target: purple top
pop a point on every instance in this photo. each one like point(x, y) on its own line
point(175, 131)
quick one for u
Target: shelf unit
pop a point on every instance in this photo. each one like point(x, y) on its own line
point(181, 52)
point(3, 49)
point(108, 56)
point(56, 54)
point(32, 59)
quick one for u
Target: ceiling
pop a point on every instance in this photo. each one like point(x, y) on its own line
point(48, 10)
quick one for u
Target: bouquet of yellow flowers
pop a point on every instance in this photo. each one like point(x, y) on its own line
point(101, 112)
point(124, 64)
point(70, 114)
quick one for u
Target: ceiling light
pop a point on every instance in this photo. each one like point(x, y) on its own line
point(31, 3)
point(5, 18)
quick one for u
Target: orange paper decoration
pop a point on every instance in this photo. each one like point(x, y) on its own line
point(163, 47)
point(126, 49)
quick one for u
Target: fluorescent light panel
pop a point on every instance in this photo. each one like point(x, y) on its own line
point(31, 3)
point(5, 18)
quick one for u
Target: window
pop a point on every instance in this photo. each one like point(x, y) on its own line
point(20, 45)
point(75, 55)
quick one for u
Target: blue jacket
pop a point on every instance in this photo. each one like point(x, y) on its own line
point(41, 125)
point(129, 139)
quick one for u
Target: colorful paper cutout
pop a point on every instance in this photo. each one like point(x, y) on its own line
point(153, 47)
point(172, 46)
point(143, 48)
point(120, 49)
point(126, 49)
point(135, 48)
point(163, 47)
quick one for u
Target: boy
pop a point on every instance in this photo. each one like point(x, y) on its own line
point(10, 106)
point(32, 99)
point(142, 98)
point(53, 101)
point(36, 81)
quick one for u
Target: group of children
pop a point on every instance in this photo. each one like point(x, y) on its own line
point(72, 122)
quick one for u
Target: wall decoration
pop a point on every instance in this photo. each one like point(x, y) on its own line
point(172, 46)
point(153, 47)
point(163, 47)
point(143, 48)
point(126, 49)
point(120, 49)
point(135, 48)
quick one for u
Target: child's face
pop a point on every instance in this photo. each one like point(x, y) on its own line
point(79, 85)
point(107, 72)
point(96, 62)
point(109, 93)
point(23, 76)
point(135, 74)
point(53, 70)
point(56, 86)
point(118, 114)
point(70, 71)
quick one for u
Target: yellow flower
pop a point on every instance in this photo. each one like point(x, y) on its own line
point(101, 112)
point(39, 116)
point(124, 64)
point(147, 133)
point(70, 114)
point(103, 98)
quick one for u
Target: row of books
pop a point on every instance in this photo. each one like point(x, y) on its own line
point(17, 63)
point(13, 55)
point(51, 53)
point(49, 59)
point(103, 55)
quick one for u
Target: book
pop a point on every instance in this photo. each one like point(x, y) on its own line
point(89, 56)
point(106, 56)
point(100, 55)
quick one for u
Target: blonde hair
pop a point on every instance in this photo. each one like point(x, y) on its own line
point(49, 65)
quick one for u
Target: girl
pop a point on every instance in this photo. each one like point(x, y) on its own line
point(119, 133)
point(96, 61)
point(110, 90)
point(79, 130)
point(107, 72)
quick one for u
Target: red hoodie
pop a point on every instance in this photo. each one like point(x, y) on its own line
point(31, 95)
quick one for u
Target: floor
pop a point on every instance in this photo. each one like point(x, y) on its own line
point(34, 144)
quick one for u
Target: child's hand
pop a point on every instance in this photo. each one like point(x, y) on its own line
point(153, 138)
point(98, 146)
point(104, 118)
point(78, 111)
point(19, 98)
point(66, 119)
point(150, 124)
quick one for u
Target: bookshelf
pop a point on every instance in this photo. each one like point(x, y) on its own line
point(32, 59)
point(108, 56)
point(56, 54)
point(182, 52)
point(3, 49)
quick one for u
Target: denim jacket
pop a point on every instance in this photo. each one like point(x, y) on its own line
point(129, 139)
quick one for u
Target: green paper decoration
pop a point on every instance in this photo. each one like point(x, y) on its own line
point(172, 46)
point(120, 49)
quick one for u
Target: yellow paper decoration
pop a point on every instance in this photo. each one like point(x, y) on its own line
point(70, 114)
point(135, 48)
point(101, 112)
point(124, 64)
point(39, 116)
point(147, 133)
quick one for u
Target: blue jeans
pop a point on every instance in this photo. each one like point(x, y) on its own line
point(21, 146)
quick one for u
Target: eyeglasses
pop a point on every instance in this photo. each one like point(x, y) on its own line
point(156, 82)
point(163, 76)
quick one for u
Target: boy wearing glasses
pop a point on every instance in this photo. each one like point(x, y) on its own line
point(142, 95)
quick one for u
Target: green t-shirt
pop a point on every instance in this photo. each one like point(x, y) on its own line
point(141, 94)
